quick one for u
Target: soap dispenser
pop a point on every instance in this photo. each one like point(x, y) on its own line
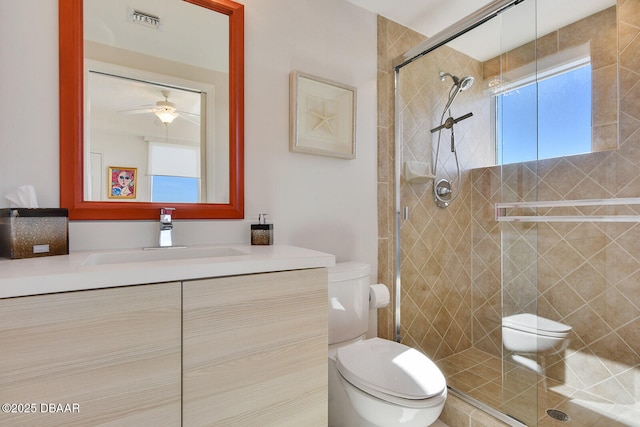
point(262, 233)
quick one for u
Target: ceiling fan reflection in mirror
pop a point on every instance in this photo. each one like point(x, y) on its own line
point(166, 111)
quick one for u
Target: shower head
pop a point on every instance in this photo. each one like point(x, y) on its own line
point(466, 83)
point(459, 85)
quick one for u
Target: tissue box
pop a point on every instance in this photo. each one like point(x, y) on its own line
point(33, 232)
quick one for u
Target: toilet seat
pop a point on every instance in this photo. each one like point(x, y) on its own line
point(392, 372)
point(527, 322)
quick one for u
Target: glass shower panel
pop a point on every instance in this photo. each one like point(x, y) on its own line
point(451, 260)
point(514, 95)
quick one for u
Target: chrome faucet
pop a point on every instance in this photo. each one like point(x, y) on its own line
point(165, 228)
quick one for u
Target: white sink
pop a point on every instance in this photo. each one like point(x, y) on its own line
point(163, 254)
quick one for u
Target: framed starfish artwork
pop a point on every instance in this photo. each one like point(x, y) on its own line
point(322, 116)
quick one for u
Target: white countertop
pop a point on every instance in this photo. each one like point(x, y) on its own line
point(73, 272)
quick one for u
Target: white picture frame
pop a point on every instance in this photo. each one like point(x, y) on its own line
point(322, 116)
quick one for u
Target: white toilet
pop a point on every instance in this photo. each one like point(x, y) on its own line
point(374, 382)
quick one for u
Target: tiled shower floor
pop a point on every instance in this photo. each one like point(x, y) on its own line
point(479, 375)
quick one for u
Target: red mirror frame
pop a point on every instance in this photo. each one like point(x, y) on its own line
point(71, 42)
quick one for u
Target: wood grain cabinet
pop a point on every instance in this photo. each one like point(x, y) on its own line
point(109, 356)
point(233, 351)
point(255, 350)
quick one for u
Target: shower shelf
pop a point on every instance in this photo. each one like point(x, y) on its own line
point(417, 172)
point(503, 213)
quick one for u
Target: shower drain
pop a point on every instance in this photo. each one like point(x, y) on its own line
point(558, 415)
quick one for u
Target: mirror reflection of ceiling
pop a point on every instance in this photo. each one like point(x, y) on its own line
point(134, 108)
point(109, 22)
point(429, 17)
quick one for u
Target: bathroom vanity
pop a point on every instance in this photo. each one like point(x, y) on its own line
point(234, 339)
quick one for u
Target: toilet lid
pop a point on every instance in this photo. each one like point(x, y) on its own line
point(535, 324)
point(391, 368)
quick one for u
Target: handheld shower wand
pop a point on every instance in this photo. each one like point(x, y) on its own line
point(459, 85)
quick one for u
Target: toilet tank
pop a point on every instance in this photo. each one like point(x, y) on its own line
point(348, 301)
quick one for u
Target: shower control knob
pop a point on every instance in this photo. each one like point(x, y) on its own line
point(443, 191)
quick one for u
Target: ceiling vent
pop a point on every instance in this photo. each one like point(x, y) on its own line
point(144, 18)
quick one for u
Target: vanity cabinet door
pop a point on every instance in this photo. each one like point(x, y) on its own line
point(255, 350)
point(109, 356)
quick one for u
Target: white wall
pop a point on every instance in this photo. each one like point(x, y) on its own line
point(316, 202)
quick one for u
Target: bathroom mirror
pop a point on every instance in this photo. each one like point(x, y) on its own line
point(154, 91)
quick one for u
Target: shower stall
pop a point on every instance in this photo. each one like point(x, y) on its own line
point(509, 207)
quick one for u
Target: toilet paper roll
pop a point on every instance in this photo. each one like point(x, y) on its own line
point(378, 296)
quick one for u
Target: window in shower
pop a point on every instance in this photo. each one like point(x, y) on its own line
point(544, 115)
